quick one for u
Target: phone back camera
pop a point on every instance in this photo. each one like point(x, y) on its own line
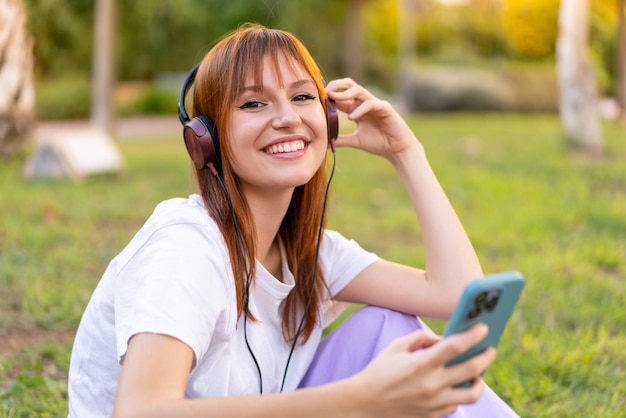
point(484, 302)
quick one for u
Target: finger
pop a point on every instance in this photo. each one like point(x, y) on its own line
point(347, 141)
point(368, 106)
point(354, 93)
point(348, 94)
point(339, 85)
point(427, 339)
point(472, 368)
point(457, 344)
point(453, 346)
point(413, 341)
point(466, 395)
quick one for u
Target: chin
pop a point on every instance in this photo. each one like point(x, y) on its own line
point(296, 181)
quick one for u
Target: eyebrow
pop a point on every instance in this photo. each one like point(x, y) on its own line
point(295, 84)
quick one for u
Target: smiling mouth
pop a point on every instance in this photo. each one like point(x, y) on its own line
point(285, 147)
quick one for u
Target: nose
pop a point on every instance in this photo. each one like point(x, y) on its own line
point(286, 115)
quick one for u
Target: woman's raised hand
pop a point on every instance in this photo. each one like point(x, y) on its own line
point(379, 128)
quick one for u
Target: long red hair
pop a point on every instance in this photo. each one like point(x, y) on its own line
point(218, 84)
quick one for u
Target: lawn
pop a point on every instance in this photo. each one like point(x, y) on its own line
point(528, 202)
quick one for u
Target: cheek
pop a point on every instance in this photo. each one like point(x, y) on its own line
point(236, 140)
point(319, 125)
point(241, 134)
point(237, 129)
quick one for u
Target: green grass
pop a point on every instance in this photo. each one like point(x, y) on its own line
point(527, 200)
point(38, 384)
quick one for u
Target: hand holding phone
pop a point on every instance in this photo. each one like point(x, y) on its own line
point(490, 300)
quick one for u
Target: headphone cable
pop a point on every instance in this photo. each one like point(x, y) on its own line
point(243, 253)
point(317, 252)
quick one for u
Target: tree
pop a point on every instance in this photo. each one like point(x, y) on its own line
point(620, 57)
point(88, 151)
point(407, 48)
point(103, 66)
point(355, 66)
point(16, 67)
point(577, 83)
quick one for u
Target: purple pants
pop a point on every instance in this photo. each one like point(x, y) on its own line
point(361, 337)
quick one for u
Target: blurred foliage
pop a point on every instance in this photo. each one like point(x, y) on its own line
point(603, 40)
point(168, 36)
point(154, 100)
point(531, 27)
point(381, 22)
point(531, 32)
point(163, 35)
point(65, 97)
point(487, 30)
point(62, 30)
point(154, 36)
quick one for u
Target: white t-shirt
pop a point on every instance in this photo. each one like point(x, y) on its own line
point(175, 278)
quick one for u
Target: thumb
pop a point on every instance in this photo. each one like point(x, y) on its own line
point(347, 140)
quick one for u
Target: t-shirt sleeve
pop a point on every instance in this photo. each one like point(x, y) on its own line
point(176, 284)
point(342, 260)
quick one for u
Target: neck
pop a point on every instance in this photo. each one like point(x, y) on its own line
point(268, 212)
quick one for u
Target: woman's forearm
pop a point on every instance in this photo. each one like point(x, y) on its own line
point(450, 256)
point(338, 399)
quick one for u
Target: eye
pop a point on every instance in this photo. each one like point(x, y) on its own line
point(252, 104)
point(303, 97)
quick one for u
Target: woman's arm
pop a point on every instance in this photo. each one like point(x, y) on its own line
point(399, 382)
point(450, 258)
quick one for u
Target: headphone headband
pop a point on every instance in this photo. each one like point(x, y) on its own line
point(189, 79)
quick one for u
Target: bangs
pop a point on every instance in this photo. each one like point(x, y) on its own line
point(281, 49)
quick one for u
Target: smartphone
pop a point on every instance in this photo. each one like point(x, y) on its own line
point(490, 300)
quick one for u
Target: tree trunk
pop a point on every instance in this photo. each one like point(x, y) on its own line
point(103, 66)
point(16, 67)
point(84, 152)
point(620, 58)
point(577, 83)
point(355, 61)
point(407, 49)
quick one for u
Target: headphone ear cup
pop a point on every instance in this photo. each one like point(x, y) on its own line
point(332, 119)
point(201, 141)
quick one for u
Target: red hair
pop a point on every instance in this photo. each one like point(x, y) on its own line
point(218, 84)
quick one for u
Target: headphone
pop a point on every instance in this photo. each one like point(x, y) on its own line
point(201, 137)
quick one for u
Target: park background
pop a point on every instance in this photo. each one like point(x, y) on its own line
point(479, 87)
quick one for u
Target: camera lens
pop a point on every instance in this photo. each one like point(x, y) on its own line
point(492, 300)
point(480, 298)
point(474, 312)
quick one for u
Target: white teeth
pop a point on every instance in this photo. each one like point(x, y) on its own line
point(285, 147)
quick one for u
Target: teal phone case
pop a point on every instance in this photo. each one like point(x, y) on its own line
point(490, 300)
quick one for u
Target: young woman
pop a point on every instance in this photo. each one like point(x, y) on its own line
point(216, 307)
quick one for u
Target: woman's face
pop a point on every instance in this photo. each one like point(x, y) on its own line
point(277, 132)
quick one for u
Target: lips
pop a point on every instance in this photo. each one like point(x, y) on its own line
point(285, 147)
